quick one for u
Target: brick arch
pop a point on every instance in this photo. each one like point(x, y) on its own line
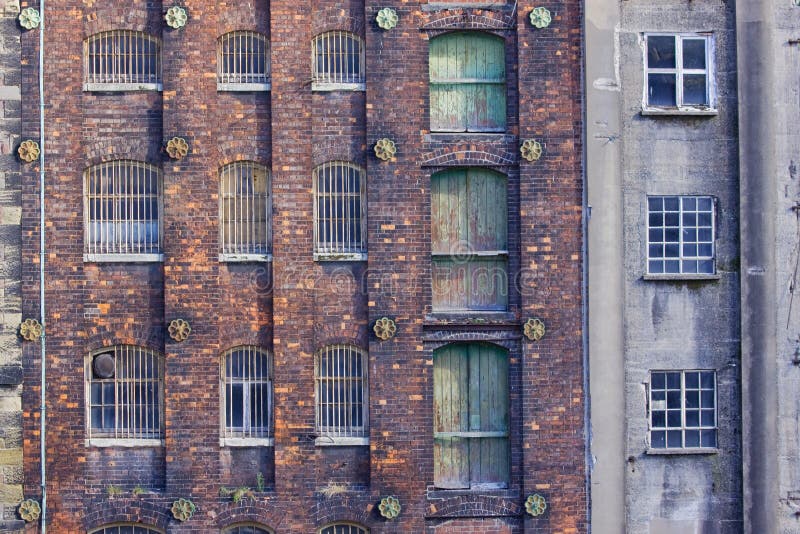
point(244, 150)
point(509, 343)
point(263, 512)
point(496, 22)
point(336, 150)
point(330, 19)
point(342, 509)
point(477, 506)
point(470, 155)
point(104, 511)
point(109, 148)
point(149, 337)
point(108, 16)
point(239, 335)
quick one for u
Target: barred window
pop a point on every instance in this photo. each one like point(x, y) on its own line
point(122, 60)
point(338, 58)
point(244, 209)
point(246, 529)
point(683, 409)
point(127, 528)
point(343, 528)
point(680, 235)
point(339, 211)
point(125, 387)
point(247, 400)
point(341, 395)
point(122, 210)
point(243, 62)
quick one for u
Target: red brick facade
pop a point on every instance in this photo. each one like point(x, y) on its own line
point(294, 305)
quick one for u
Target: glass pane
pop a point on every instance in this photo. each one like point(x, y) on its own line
point(674, 438)
point(694, 90)
point(692, 438)
point(660, 52)
point(708, 438)
point(694, 53)
point(658, 439)
point(661, 90)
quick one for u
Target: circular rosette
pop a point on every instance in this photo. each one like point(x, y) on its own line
point(30, 330)
point(183, 509)
point(390, 507)
point(535, 505)
point(179, 329)
point(387, 18)
point(176, 17)
point(29, 510)
point(385, 328)
point(540, 17)
point(531, 150)
point(534, 329)
point(28, 150)
point(385, 149)
point(29, 18)
point(177, 148)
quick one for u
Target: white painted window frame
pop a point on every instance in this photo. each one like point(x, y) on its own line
point(325, 80)
point(247, 437)
point(242, 81)
point(118, 82)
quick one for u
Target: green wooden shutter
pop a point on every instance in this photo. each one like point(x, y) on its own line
point(451, 415)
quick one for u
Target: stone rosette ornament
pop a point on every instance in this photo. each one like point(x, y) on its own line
point(384, 328)
point(540, 17)
point(176, 17)
point(177, 148)
point(29, 150)
point(179, 329)
point(535, 505)
point(385, 149)
point(29, 18)
point(390, 507)
point(534, 329)
point(30, 330)
point(531, 150)
point(29, 510)
point(387, 18)
point(183, 509)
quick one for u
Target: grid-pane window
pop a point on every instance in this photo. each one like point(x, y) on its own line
point(680, 235)
point(123, 208)
point(125, 393)
point(247, 404)
point(246, 529)
point(467, 83)
point(339, 208)
point(469, 240)
point(341, 392)
point(343, 528)
point(338, 57)
point(683, 409)
point(130, 58)
point(127, 528)
point(470, 411)
point(242, 58)
point(244, 199)
point(678, 71)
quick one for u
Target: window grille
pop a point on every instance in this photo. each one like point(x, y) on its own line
point(129, 58)
point(341, 392)
point(125, 393)
point(246, 529)
point(247, 405)
point(126, 528)
point(680, 235)
point(244, 198)
point(338, 57)
point(683, 411)
point(339, 209)
point(123, 208)
point(678, 73)
point(343, 528)
point(242, 58)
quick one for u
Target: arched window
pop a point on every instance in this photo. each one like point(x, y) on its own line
point(338, 58)
point(247, 398)
point(246, 529)
point(470, 411)
point(469, 240)
point(467, 83)
point(122, 60)
point(244, 211)
point(127, 528)
point(243, 62)
point(343, 528)
point(340, 211)
point(340, 376)
point(122, 209)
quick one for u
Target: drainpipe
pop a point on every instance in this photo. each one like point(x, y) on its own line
point(43, 389)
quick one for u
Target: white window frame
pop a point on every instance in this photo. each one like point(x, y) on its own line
point(143, 529)
point(250, 434)
point(122, 81)
point(243, 205)
point(243, 81)
point(663, 405)
point(234, 529)
point(120, 436)
point(353, 528)
point(324, 79)
point(681, 258)
point(331, 247)
point(341, 432)
point(123, 241)
point(679, 72)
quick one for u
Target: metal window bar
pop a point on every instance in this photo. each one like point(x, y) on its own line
point(246, 529)
point(123, 208)
point(343, 528)
point(340, 208)
point(126, 528)
point(247, 377)
point(341, 392)
point(122, 56)
point(244, 208)
point(242, 58)
point(338, 57)
point(129, 403)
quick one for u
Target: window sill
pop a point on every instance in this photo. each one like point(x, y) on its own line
point(327, 86)
point(241, 258)
point(477, 318)
point(340, 256)
point(121, 87)
point(488, 135)
point(246, 442)
point(680, 111)
point(123, 258)
point(329, 441)
point(681, 277)
point(235, 87)
point(124, 442)
point(680, 452)
point(499, 489)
